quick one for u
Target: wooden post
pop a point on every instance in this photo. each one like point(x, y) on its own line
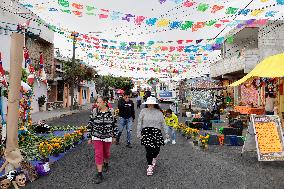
point(12, 153)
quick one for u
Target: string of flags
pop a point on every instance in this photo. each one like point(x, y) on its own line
point(163, 49)
point(97, 43)
point(79, 9)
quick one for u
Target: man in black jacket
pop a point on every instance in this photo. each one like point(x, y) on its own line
point(126, 117)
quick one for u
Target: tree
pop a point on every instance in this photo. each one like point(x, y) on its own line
point(75, 74)
point(103, 83)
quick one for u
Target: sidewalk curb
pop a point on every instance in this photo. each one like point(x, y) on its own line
point(64, 114)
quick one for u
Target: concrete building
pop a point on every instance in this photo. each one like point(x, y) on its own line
point(251, 45)
point(57, 87)
point(59, 95)
point(38, 38)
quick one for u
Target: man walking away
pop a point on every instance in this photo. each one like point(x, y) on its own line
point(126, 117)
point(138, 101)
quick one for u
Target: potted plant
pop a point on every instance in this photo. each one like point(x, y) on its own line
point(77, 136)
point(56, 144)
point(45, 150)
point(41, 101)
point(195, 133)
point(67, 141)
point(204, 141)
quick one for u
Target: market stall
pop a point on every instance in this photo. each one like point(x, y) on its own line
point(265, 78)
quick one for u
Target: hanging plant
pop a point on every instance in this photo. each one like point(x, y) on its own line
point(5, 92)
point(24, 75)
point(41, 100)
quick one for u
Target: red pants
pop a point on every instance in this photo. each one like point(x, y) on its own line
point(102, 151)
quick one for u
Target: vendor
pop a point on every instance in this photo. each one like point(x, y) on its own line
point(269, 104)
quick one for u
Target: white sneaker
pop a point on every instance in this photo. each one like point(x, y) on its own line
point(154, 162)
point(166, 141)
point(150, 170)
point(173, 142)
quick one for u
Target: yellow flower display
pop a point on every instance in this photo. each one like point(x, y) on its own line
point(45, 149)
point(204, 140)
point(56, 144)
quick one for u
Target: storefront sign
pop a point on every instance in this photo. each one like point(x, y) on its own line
point(268, 137)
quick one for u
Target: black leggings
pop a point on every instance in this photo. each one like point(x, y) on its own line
point(151, 153)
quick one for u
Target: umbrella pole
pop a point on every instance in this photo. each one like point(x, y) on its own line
point(12, 153)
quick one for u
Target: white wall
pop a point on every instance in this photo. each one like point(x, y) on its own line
point(5, 41)
point(5, 44)
point(84, 91)
point(76, 95)
point(271, 39)
point(92, 88)
point(6, 16)
point(39, 90)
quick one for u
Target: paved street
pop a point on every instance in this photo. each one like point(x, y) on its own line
point(179, 166)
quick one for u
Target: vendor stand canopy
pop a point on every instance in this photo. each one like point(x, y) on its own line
point(270, 67)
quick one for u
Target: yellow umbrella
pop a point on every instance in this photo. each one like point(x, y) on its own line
point(270, 67)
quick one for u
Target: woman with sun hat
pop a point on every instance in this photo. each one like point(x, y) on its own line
point(149, 130)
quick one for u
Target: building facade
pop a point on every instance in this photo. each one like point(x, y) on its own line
point(38, 39)
point(59, 94)
point(251, 45)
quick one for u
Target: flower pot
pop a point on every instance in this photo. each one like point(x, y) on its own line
point(56, 155)
point(42, 168)
point(45, 159)
point(41, 108)
point(206, 147)
point(67, 148)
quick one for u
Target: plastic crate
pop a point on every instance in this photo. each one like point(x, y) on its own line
point(207, 126)
point(213, 140)
point(231, 140)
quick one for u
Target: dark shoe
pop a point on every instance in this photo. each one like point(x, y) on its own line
point(105, 167)
point(117, 138)
point(128, 145)
point(99, 178)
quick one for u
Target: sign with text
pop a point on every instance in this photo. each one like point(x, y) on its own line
point(268, 137)
point(166, 94)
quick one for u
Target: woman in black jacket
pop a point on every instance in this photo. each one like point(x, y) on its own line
point(101, 133)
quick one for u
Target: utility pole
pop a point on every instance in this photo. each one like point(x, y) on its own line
point(74, 35)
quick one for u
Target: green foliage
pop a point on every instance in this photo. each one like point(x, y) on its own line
point(74, 74)
point(41, 100)
point(5, 92)
point(24, 75)
point(104, 82)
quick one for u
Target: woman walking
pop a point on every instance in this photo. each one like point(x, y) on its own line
point(101, 133)
point(150, 123)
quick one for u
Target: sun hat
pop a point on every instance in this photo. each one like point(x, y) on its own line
point(151, 100)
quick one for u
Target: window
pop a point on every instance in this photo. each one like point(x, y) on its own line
point(60, 91)
point(85, 94)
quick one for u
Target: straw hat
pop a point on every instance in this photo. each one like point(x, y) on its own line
point(151, 100)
